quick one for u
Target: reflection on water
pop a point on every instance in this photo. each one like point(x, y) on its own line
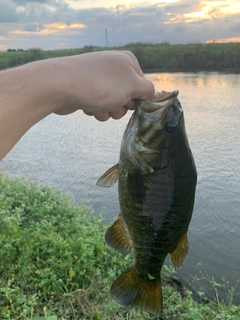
point(72, 152)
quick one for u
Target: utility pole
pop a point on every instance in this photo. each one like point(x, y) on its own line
point(106, 36)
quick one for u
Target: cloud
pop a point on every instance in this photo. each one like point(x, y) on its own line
point(54, 23)
point(8, 12)
point(31, 11)
point(24, 2)
point(33, 27)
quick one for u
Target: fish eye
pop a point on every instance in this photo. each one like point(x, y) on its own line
point(169, 127)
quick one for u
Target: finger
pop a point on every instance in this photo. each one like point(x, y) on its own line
point(65, 111)
point(134, 62)
point(158, 95)
point(131, 105)
point(145, 89)
point(119, 113)
point(88, 113)
point(102, 117)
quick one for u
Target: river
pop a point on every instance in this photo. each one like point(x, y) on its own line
point(71, 152)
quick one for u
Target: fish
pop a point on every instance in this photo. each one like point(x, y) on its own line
point(157, 178)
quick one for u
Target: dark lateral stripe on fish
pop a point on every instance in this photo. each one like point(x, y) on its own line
point(147, 137)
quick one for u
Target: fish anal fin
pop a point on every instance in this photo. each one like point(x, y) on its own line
point(118, 238)
point(130, 290)
point(179, 254)
point(109, 178)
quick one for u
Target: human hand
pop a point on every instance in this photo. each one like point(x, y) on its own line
point(104, 84)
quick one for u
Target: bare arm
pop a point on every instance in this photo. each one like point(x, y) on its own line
point(103, 84)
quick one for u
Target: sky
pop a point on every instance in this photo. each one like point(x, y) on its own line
point(61, 24)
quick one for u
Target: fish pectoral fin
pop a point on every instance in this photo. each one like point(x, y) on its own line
point(179, 254)
point(109, 178)
point(118, 238)
point(131, 290)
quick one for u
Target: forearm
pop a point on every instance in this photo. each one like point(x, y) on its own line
point(28, 94)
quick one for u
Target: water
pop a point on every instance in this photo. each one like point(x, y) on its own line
point(71, 152)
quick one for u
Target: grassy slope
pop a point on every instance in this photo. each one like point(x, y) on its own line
point(54, 263)
point(189, 57)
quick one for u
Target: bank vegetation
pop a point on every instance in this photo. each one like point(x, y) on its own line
point(54, 264)
point(152, 57)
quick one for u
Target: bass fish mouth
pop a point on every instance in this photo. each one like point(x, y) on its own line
point(166, 101)
point(168, 95)
point(146, 109)
point(152, 110)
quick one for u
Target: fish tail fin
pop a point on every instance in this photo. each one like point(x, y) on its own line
point(131, 290)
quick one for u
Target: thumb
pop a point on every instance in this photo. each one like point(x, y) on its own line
point(146, 90)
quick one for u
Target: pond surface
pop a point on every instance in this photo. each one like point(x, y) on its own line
point(71, 152)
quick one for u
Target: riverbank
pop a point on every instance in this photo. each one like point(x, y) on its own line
point(55, 265)
point(165, 57)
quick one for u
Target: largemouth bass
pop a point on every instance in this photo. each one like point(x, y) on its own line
point(156, 177)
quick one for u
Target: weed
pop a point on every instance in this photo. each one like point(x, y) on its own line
point(202, 283)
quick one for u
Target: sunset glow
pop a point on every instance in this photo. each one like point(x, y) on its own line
point(195, 16)
point(166, 1)
point(42, 32)
point(225, 7)
point(236, 39)
point(58, 25)
point(208, 10)
point(50, 28)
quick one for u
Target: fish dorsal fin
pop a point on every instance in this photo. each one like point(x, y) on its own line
point(179, 254)
point(118, 238)
point(109, 178)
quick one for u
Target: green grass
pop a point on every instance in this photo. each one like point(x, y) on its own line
point(152, 57)
point(54, 264)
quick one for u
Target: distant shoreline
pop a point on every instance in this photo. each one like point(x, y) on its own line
point(163, 57)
